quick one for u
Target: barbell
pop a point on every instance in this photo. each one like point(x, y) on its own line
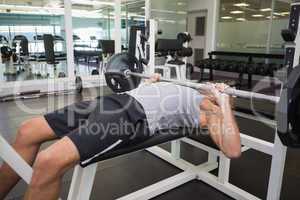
point(124, 73)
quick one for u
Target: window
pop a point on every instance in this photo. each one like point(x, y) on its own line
point(244, 26)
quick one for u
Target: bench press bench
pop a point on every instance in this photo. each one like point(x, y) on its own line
point(83, 177)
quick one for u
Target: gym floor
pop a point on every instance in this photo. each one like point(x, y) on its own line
point(126, 174)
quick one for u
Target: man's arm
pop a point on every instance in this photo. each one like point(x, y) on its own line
point(222, 126)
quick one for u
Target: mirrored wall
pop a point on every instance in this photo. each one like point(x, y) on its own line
point(25, 50)
point(25, 53)
point(252, 26)
point(94, 32)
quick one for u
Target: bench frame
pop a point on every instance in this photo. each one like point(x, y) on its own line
point(83, 178)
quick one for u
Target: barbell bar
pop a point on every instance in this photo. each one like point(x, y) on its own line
point(200, 86)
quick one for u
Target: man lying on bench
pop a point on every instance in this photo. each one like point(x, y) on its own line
point(89, 129)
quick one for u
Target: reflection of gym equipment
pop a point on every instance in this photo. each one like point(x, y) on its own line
point(20, 52)
point(49, 57)
point(6, 51)
point(104, 50)
point(40, 56)
point(108, 49)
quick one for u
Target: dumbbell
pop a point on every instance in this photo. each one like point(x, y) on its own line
point(215, 64)
point(242, 67)
point(251, 68)
point(232, 66)
point(185, 52)
point(262, 69)
point(223, 66)
point(206, 63)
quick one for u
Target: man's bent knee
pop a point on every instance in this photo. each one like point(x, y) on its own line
point(52, 163)
point(34, 131)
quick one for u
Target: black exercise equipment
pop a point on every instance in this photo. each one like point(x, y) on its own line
point(3, 39)
point(184, 37)
point(49, 49)
point(185, 52)
point(107, 46)
point(95, 72)
point(76, 37)
point(168, 46)
point(288, 111)
point(289, 35)
point(120, 63)
point(62, 75)
point(78, 84)
point(6, 53)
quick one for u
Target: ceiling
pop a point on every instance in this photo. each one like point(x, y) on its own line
point(253, 10)
point(81, 8)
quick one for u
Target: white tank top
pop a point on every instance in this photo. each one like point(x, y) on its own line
point(168, 106)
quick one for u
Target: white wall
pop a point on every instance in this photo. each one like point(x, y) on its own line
point(212, 7)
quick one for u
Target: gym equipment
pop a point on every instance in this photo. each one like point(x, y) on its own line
point(288, 111)
point(116, 66)
point(95, 72)
point(6, 53)
point(3, 40)
point(247, 66)
point(124, 73)
point(62, 75)
point(78, 84)
point(185, 52)
point(184, 37)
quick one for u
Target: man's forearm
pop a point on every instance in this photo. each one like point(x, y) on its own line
point(231, 142)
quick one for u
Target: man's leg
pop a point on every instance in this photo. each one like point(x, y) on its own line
point(30, 136)
point(49, 168)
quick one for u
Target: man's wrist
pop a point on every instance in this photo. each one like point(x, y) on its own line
point(224, 102)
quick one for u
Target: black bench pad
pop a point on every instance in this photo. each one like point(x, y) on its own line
point(158, 139)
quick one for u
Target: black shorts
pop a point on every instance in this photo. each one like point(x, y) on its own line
point(100, 126)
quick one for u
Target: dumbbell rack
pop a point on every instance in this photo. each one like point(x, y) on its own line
point(241, 67)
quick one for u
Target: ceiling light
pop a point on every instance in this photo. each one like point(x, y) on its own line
point(181, 3)
point(226, 17)
point(285, 13)
point(266, 9)
point(240, 19)
point(258, 15)
point(237, 12)
point(241, 4)
point(167, 21)
point(181, 12)
point(269, 17)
